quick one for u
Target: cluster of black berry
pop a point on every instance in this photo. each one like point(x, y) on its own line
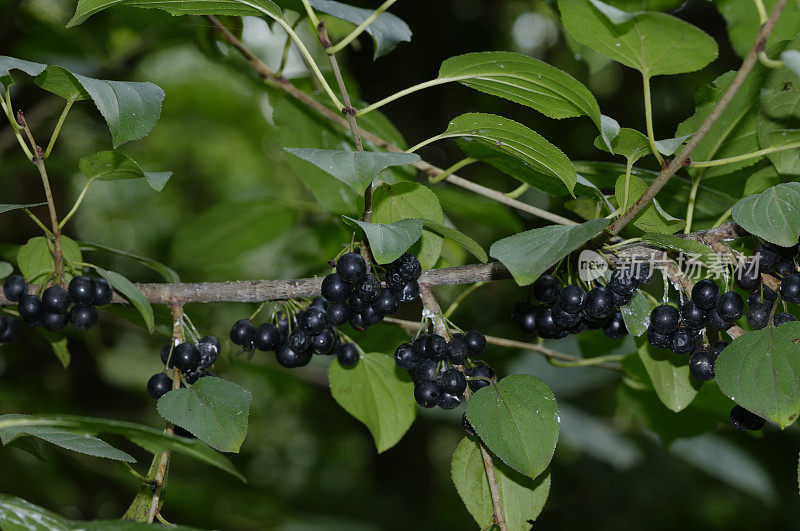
point(56, 306)
point(435, 364)
point(571, 310)
point(356, 296)
point(296, 339)
point(192, 359)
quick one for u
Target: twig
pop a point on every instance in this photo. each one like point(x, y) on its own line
point(683, 156)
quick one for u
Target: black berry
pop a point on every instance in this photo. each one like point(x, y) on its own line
point(55, 322)
point(457, 350)
point(701, 364)
point(746, 275)
point(572, 299)
point(475, 343)
point(55, 299)
point(622, 282)
point(31, 308)
point(210, 349)
point(453, 381)
point(323, 342)
point(405, 357)
point(370, 316)
point(615, 327)
point(267, 336)
point(664, 319)
point(545, 325)
point(730, 306)
point(335, 289)
point(395, 281)
point(758, 316)
point(368, 288)
point(347, 354)
point(83, 318)
point(387, 303)
point(659, 340)
point(741, 419)
point(717, 322)
point(427, 393)
point(243, 332)
point(767, 258)
point(289, 358)
point(436, 347)
point(312, 320)
point(599, 303)
point(102, 292)
point(351, 267)
point(408, 266)
point(450, 401)
point(480, 377)
point(683, 340)
point(158, 385)
point(337, 314)
point(410, 291)
point(527, 321)
point(546, 289)
point(426, 369)
point(356, 304)
point(782, 318)
point(564, 319)
point(785, 267)
point(693, 316)
point(15, 287)
point(186, 357)
point(299, 340)
point(82, 292)
point(790, 288)
point(705, 294)
point(420, 345)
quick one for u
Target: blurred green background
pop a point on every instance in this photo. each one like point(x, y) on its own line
point(235, 209)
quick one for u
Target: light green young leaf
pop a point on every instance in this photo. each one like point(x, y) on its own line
point(459, 237)
point(35, 257)
point(669, 146)
point(213, 410)
point(129, 290)
point(652, 218)
point(388, 242)
point(529, 254)
point(522, 498)
point(87, 8)
point(113, 165)
point(61, 82)
point(636, 314)
point(7, 64)
point(669, 374)
point(517, 419)
point(773, 215)
point(629, 143)
point(377, 394)
point(5, 269)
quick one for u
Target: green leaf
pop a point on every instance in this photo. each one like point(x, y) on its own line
point(773, 215)
point(129, 290)
point(395, 202)
point(87, 8)
point(653, 43)
point(669, 375)
point(517, 419)
point(213, 410)
point(459, 237)
point(513, 148)
point(169, 274)
point(153, 440)
point(523, 80)
point(669, 146)
point(356, 169)
point(7, 64)
point(18, 514)
point(386, 31)
point(378, 394)
point(5, 269)
point(58, 342)
point(780, 115)
point(113, 165)
point(761, 180)
point(8, 208)
point(652, 218)
point(692, 248)
point(529, 254)
point(791, 60)
point(35, 257)
point(61, 82)
point(388, 242)
point(636, 314)
point(760, 370)
point(629, 143)
point(742, 23)
point(81, 443)
point(522, 498)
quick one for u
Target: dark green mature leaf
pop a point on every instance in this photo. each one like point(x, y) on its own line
point(386, 31)
point(629, 143)
point(693, 249)
point(377, 394)
point(152, 440)
point(113, 165)
point(669, 375)
point(517, 419)
point(81, 443)
point(8, 208)
point(742, 23)
point(169, 274)
point(459, 237)
point(357, 169)
point(653, 43)
point(496, 139)
point(779, 117)
point(529, 254)
point(35, 257)
point(652, 218)
point(760, 370)
point(7, 64)
point(87, 8)
point(522, 498)
point(129, 290)
point(395, 202)
point(773, 215)
point(61, 82)
point(213, 410)
point(636, 314)
point(388, 242)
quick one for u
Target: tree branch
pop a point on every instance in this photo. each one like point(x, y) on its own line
point(683, 156)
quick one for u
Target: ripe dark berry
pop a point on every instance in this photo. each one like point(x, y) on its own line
point(746, 275)
point(615, 327)
point(546, 289)
point(581, 327)
point(683, 340)
point(790, 288)
point(408, 266)
point(405, 357)
point(420, 345)
point(356, 304)
point(693, 316)
point(453, 381)
point(741, 419)
point(717, 322)
point(467, 426)
point(15, 287)
point(659, 340)
point(427, 393)
point(9, 329)
point(299, 340)
point(83, 318)
point(782, 318)
point(519, 309)
point(716, 349)
point(426, 369)
point(572, 299)
point(758, 316)
point(564, 319)
point(701, 365)
point(323, 342)
point(449, 401)
point(599, 303)
point(31, 308)
point(243, 332)
point(785, 267)
point(527, 321)
point(166, 351)
point(55, 322)
point(192, 377)
point(82, 292)
point(210, 349)
point(158, 385)
point(479, 377)
point(622, 299)
point(767, 258)
point(55, 299)
point(395, 281)
point(457, 349)
point(368, 288)
point(664, 319)
point(335, 289)
point(289, 358)
point(436, 347)
point(705, 294)
point(319, 302)
point(312, 320)
point(762, 294)
point(347, 354)
point(594, 324)
point(545, 325)
point(475, 342)
point(267, 337)
point(642, 273)
point(410, 291)
point(351, 267)
point(337, 314)
point(186, 357)
point(730, 306)
point(387, 303)
point(102, 292)
point(622, 282)
point(370, 316)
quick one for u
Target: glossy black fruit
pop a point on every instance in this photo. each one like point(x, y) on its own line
point(158, 385)
point(9, 329)
point(730, 306)
point(267, 336)
point(395, 281)
point(545, 325)
point(785, 267)
point(457, 349)
point(572, 299)
point(664, 319)
point(420, 344)
point(31, 308)
point(758, 316)
point(436, 347)
point(790, 288)
point(767, 258)
point(335, 289)
point(337, 314)
point(387, 303)
point(186, 357)
point(299, 340)
point(479, 377)
point(166, 350)
point(81, 291)
point(289, 358)
point(312, 320)
point(243, 332)
point(368, 288)
point(351, 267)
point(746, 275)
point(705, 294)
point(599, 303)
point(83, 318)
point(15, 287)
point(621, 299)
point(408, 266)
point(693, 316)
point(55, 322)
point(642, 273)
point(410, 291)
point(741, 419)
point(323, 342)
point(762, 294)
point(102, 292)
point(475, 343)
point(347, 354)
point(564, 319)
point(701, 365)
point(622, 282)
point(716, 322)
point(55, 299)
point(405, 357)
point(546, 289)
point(210, 348)
point(683, 340)
point(615, 327)
point(527, 321)
point(453, 381)
point(782, 318)
point(450, 401)
point(659, 340)
point(356, 304)
point(370, 316)
point(427, 393)
point(426, 369)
